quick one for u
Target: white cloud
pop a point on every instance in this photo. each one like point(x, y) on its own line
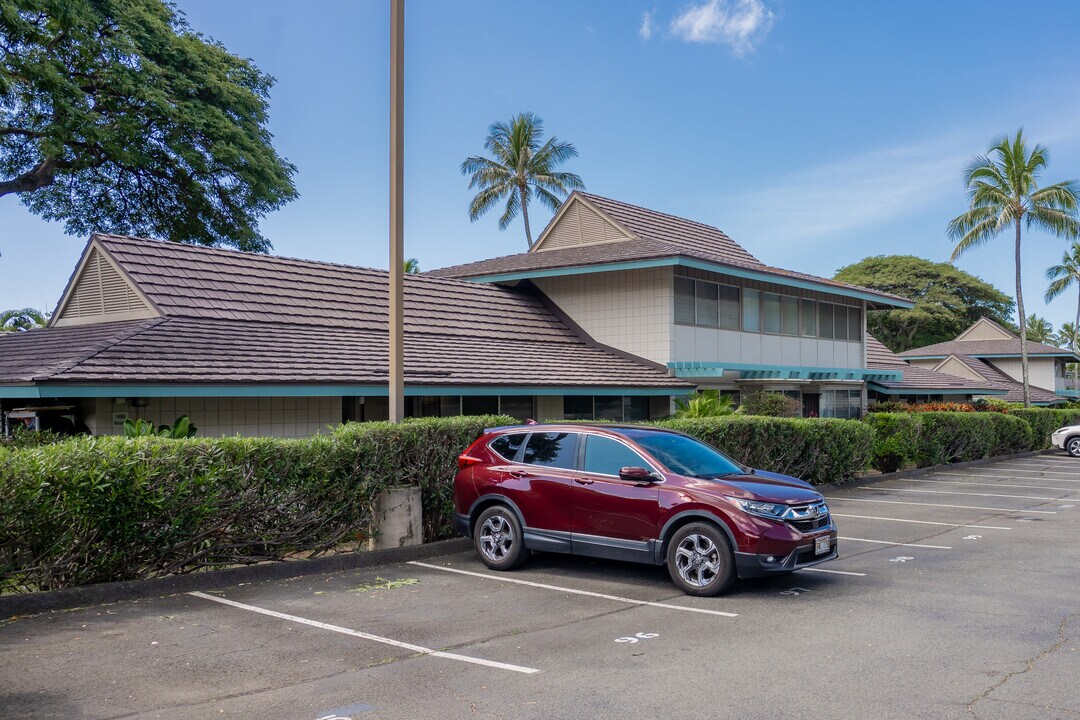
point(739, 24)
point(645, 31)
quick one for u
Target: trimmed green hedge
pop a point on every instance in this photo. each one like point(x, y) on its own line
point(1044, 421)
point(816, 450)
point(98, 509)
point(939, 438)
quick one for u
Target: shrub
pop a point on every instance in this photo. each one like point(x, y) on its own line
point(22, 437)
point(1044, 421)
point(948, 437)
point(705, 403)
point(896, 438)
point(98, 509)
point(816, 450)
point(770, 404)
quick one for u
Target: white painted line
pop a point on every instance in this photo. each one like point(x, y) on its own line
point(921, 522)
point(572, 590)
point(1006, 477)
point(961, 507)
point(366, 636)
point(973, 494)
point(988, 484)
point(831, 572)
point(886, 542)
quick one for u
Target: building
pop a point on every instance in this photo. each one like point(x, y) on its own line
point(615, 311)
point(921, 384)
point(988, 352)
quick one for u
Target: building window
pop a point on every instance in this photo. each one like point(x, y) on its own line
point(577, 407)
point(790, 315)
point(825, 320)
point(617, 408)
point(608, 407)
point(846, 404)
point(751, 311)
point(480, 405)
point(708, 311)
point(772, 313)
point(809, 318)
point(684, 300)
point(519, 407)
point(729, 307)
point(854, 319)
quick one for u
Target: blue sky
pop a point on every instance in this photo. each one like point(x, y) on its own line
point(813, 133)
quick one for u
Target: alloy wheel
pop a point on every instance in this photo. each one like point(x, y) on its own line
point(496, 538)
point(697, 560)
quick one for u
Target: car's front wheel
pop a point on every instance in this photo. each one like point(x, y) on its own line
point(700, 560)
point(498, 539)
point(1072, 446)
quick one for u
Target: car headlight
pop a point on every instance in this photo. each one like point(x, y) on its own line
point(773, 511)
point(1059, 431)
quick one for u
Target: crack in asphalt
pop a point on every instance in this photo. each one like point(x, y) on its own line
point(1062, 638)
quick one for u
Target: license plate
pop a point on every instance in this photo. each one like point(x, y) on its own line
point(822, 545)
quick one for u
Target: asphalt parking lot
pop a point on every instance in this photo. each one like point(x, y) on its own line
point(957, 595)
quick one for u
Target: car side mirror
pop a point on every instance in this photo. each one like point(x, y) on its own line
point(639, 474)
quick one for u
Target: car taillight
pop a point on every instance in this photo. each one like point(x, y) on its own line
point(465, 461)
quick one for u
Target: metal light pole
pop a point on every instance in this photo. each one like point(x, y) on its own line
point(397, 215)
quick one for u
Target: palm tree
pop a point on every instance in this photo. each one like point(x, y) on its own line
point(705, 403)
point(1039, 330)
point(1067, 337)
point(1061, 278)
point(22, 319)
point(1003, 191)
point(521, 168)
point(411, 266)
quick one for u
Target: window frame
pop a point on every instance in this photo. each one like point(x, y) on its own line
point(584, 447)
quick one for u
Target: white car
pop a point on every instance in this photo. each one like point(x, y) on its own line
point(1068, 439)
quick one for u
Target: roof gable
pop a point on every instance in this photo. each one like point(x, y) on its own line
point(100, 292)
point(579, 223)
point(952, 365)
point(984, 329)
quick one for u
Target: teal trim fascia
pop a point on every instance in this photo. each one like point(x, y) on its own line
point(692, 369)
point(699, 265)
point(1068, 393)
point(931, 391)
point(93, 391)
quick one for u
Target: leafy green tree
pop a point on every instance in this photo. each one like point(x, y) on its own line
point(116, 116)
point(1062, 277)
point(22, 319)
point(411, 266)
point(703, 404)
point(1067, 338)
point(1004, 193)
point(947, 299)
point(520, 168)
point(1039, 330)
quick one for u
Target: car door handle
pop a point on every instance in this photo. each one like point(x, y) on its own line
point(583, 481)
point(520, 473)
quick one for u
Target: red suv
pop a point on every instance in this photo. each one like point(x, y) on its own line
point(636, 493)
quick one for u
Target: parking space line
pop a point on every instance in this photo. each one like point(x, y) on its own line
point(888, 542)
point(941, 505)
point(988, 484)
point(1007, 477)
point(831, 572)
point(974, 494)
point(922, 522)
point(366, 636)
point(572, 590)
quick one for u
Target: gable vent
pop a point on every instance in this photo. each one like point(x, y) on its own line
point(580, 225)
point(102, 294)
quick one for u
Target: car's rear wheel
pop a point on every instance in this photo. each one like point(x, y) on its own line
point(700, 560)
point(498, 539)
point(1072, 446)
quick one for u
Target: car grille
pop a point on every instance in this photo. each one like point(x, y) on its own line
point(805, 526)
point(808, 556)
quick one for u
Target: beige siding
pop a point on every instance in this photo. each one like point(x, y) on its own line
point(579, 224)
point(983, 330)
point(1040, 370)
point(549, 407)
point(219, 417)
point(952, 366)
point(101, 294)
point(632, 310)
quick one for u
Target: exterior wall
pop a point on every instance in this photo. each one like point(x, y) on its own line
point(982, 330)
point(703, 344)
point(928, 364)
point(1040, 370)
point(952, 366)
point(218, 417)
point(632, 310)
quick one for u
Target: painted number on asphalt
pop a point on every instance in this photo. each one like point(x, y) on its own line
point(973, 537)
point(794, 591)
point(637, 637)
point(901, 559)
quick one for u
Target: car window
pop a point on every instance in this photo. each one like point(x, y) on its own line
point(685, 455)
point(551, 449)
point(607, 457)
point(506, 446)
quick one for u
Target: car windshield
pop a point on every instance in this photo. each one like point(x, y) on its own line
point(685, 455)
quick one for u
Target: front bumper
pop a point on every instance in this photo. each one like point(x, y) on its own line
point(751, 565)
point(1058, 440)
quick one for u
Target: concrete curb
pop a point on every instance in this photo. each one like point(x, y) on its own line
point(32, 603)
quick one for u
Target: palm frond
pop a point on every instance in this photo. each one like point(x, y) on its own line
point(1058, 222)
point(1059, 286)
point(978, 233)
point(550, 199)
point(1063, 195)
point(513, 206)
point(485, 200)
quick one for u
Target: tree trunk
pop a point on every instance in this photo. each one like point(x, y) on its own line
point(1076, 325)
point(36, 178)
point(1023, 321)
point(525, 214)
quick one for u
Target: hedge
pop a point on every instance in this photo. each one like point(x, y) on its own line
point(1044, 421)
point(939, 438)
point(98, 509)
point(816, 450)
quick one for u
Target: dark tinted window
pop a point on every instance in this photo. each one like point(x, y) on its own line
point(607, 456)
point(519, 407)
point(685, 455)
point(577, 407)
point(507, 445)
point(608, 407)
point(480, 405)
point(551, 449)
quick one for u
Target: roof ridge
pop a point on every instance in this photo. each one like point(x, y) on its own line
point(589, 195)
point(139, 327)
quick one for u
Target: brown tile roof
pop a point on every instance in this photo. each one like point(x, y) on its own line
point(917, 378)
point(656, 235)
point(983, 348)
point(233, 317)
point(1014, 388)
